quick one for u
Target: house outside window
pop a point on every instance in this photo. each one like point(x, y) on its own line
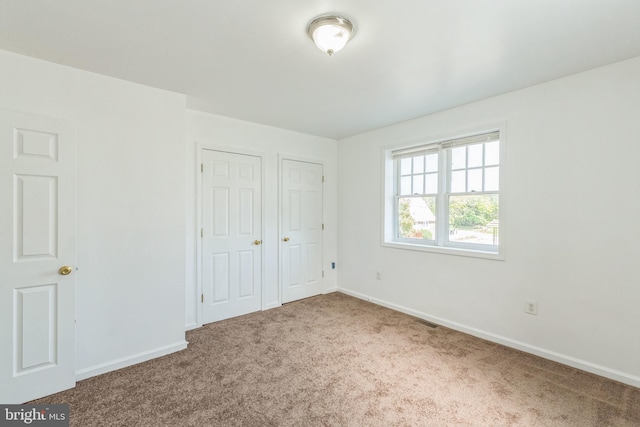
point(445, 196)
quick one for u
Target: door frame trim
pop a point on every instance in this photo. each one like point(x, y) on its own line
point(282, 157)
point(200, 147)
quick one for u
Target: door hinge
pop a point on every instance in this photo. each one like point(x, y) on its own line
point(322, 178)
point(322, 273)
point(202, 167)
point(202, 232)
point(322, 227)
point(201, 297)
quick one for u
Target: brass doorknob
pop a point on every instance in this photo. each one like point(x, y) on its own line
point(257, 242)
point(286, 239)
point(65, 270)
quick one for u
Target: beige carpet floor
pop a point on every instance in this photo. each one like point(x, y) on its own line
point(334, 360)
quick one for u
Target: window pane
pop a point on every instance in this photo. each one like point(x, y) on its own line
point(492, 153)
point(405, 166)
point(475, 155)
point(418, 164)
point(458, 158)
point(405, 185)
point(416, 219)
point(458, 182)
point(474, 219)
point(431, 183)
point(475, 180)
point(492, 179)
point(418, 184)
point(432, 163)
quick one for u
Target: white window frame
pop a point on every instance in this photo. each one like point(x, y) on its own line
point(441, 244)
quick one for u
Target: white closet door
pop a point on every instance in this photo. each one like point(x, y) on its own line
point(231, 235)
point(37, 257)
point(301, 240)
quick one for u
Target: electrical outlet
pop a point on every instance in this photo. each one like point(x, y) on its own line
point(531, 307)
point(378, 275)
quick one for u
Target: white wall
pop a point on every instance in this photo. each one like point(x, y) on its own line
point(241, 136)
point(571, 240)
point(572, 233)
point(130, 201)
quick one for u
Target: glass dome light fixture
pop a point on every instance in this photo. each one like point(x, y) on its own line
point(330, 33)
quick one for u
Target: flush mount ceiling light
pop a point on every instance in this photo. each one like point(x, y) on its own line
point(330, 32)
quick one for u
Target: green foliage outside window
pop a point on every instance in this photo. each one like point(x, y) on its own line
point(472, 211)
point(406, 220)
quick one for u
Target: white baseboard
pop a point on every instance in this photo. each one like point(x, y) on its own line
point(134, 359)
point(603, 371)
point(190, 326)
point(330, 290)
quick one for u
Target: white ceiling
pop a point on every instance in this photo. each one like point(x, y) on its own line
point(252, 59)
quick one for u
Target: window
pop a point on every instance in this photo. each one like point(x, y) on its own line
point(446, 194)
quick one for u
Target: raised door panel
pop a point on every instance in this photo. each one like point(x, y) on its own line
point(245, 211)
point(219, 278)
point(293, 267)
point(36, 338)
point(312, 263)
point(293, 217)
point(35, 229)
point(246, 262)
point(220, 212)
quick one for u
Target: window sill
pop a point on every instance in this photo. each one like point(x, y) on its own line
point(496, 256)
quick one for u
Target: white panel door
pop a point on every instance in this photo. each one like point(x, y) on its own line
point(301, 240)
point(231, 235)
point(37, 225)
